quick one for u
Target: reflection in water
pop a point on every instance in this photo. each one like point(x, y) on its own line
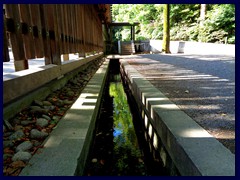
point(126, 153)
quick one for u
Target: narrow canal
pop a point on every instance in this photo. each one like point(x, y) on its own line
point(119, 147)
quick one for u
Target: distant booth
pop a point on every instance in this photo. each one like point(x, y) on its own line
point(127, 47)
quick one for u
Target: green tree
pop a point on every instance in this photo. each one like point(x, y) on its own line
point(220, 24)
point(187, 22)
point(166, 29)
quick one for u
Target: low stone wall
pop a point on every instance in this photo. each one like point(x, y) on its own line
point(65, 151)
point(188, 47)
point(21, 88)
point(184, 147)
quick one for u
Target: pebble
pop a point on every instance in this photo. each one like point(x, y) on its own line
point(47, 103)
point(26, 122)
point(37, 102)
point(42, 122)
point(67, 102)
point(37, 109)
point(6, 134)
point(37, 134)
point(8, 144)
point(36, 143)
point(56, 118)
point(50, 108)
point(6, 156)
point(70, 93)
point(17, 135)
point(18, 127)
point(46, 117)
point(66, 89)
point(18, 164)
point(26, 145)
point(8, 125)
point(16, 121)
point(59, 103)
point(94, 160)
point(22, 156)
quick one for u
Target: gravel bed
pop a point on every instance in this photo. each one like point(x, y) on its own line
point(26, 132)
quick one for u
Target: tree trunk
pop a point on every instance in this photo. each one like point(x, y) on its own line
point(166, 29)
point(203, 12)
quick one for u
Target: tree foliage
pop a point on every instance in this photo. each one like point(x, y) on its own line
point(218, 26)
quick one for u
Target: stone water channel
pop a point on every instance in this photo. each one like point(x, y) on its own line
point(119, 147)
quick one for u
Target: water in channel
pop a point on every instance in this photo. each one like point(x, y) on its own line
point(116, 150)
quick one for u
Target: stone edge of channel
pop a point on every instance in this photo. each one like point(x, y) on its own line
point(66, 149)
point(192, 149)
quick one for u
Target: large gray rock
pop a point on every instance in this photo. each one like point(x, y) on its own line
point(24, 146)
point(36, 134)
point(17, 135)
point(22, 156)
point(42, 122)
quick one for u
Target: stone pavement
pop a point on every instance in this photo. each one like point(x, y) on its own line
point(203, 86)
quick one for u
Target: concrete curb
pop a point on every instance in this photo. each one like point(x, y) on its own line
point(66, 149)
point(192, 150)
point(21, 88)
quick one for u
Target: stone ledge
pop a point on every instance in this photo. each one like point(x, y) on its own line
point(22, 82)
point(192, 149)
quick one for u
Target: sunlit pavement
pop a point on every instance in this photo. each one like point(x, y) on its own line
point(203, 86)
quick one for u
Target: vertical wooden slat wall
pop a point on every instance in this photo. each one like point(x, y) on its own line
point(14, 27)
point(50, 30)
point(6, 57)
point(36, 29)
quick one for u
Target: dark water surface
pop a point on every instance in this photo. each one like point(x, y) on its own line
point(116, 150)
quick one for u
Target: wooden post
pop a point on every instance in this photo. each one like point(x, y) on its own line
point(5, 43)
point(20, 62)
point(65, 57)
point(27, 34)
point(37, 30)
point(45, 36)
point(55, 35)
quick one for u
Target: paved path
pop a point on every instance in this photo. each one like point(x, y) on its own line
point(201, 85)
